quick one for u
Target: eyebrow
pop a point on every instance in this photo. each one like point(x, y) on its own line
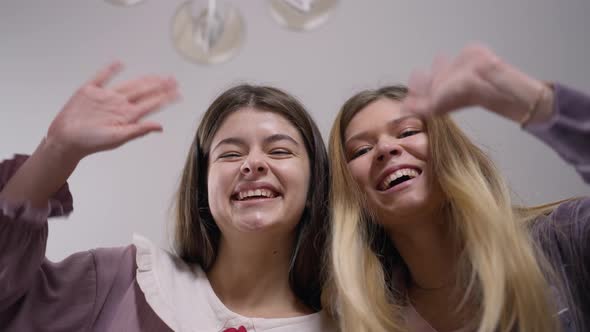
point(390, 123)
point(229, 141)
point(280, 137)
point(270, 139)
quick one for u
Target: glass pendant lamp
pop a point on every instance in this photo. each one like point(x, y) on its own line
point(302, 15)
point(207, 32)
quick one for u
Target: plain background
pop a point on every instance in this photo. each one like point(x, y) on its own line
point(49, 48)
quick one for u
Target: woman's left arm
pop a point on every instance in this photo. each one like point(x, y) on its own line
point(558, 115)
point(567, 130)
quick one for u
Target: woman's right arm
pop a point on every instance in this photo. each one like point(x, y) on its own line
point(23, 234)
point(96, 118)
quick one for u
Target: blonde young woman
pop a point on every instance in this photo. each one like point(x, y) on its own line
point(249, 227)
point(425, 236)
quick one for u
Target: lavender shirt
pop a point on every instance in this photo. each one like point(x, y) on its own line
point(102, 289)
point(135, 288)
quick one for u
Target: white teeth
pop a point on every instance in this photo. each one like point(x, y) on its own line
point(256, 193)
point(412, 173)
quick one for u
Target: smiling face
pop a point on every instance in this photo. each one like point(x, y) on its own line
point(387, 154)
point(258, 173)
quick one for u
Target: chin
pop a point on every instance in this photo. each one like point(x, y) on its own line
point(254, 224)
point(401, 208)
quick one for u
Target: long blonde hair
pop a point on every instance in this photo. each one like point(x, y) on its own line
point(502, 272)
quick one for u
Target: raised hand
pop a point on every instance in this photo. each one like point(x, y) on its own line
point(98, 118)
point(95, 118)
point(477, 77)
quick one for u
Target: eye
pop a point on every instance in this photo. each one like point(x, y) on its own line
point(229, 155)
point(280, 152)
point(408, 132)
point(359, 152)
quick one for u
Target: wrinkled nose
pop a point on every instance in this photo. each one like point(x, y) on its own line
point(253, 166)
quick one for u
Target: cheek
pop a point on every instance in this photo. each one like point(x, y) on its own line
point(417, 147)
point(359, 172)
point(295, 175)
point(421, 147)
point(219, 189)
point(218, 181)
point(301, 175)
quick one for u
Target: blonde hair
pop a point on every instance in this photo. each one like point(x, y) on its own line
point(501, 270)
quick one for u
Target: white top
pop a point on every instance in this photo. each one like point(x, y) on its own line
point(181, 295)
point(417, 323)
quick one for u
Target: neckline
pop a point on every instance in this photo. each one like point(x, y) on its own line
point(165, 280)
point(224, 312)
point(415, 320)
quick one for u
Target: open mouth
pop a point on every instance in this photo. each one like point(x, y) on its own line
point(256, 194)
point(398, 177)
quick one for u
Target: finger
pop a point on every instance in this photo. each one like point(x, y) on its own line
point(455, 93)
point(106, 74)
point(419, 82)
point(145, 86)
point(139, 129)
point(153, 104)
point(475, 52)
point(440, 66)
point(420, 105)
point(449, 79)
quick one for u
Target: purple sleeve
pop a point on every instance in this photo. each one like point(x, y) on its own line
point(568, 131)
point(36, 294)
point(564, 235)
point(23, 236)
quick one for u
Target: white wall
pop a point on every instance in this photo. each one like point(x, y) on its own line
point(47, 48)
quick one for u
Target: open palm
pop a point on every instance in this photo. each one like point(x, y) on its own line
point(475, 77)
point(97, 118)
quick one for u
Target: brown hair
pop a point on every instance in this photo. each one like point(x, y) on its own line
point(196, 233)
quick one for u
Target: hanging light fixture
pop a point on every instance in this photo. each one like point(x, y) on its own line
point(302, 15)
point(125, 3)
point(207, 32)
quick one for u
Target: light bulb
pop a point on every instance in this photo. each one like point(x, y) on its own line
point(125, 3)
point(207, 32)
point(302, 15)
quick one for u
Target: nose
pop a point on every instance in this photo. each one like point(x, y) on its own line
point(253, 165)
point(387, 149)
